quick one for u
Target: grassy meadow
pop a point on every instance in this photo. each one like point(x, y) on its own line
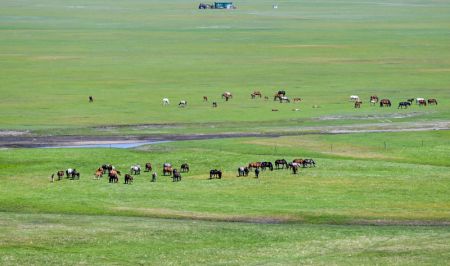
point(129, 55)
point(362, 204)
point(374, 198)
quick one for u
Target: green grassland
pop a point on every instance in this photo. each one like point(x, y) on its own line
point(129, 55)
point(322, 215)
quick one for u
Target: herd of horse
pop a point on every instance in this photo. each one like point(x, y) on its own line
point(168, 170)
point(387, 103)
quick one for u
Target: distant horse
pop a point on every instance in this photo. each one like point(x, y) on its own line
point(299, 161)
point(91, 99)
point(308, 162)
point(205, 98)
point(373, 102)
point(182, 103)
point(282, 163)
point(148, 167)
point(294, 168)
point(99, 173)
point(256, 93)
point(374, 98)
point(266, 98)
point(176, 176)
point(165, 101)
point(358, 104)
point(419, 99)
point(185, 168)
point(422, 103)
point(354, 98)
point(128, 179)
point(411, 100)
point(72, 173)
point(215, 174)
point(385, 102)
point(135, 169)
point(254, 165)
point(403, 104)
point(282, 92)
point(154, 176)
point(214, 104)
point(297, 100)
point(265, 165)
point(113, 176)
point(284, 99)
point(432, 101)
point(227, 95)
point(60, 174)
point(243, 171)
point(167, 169)
point(277, 97)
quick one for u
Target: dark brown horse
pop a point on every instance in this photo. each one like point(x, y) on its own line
point(374, 99)
point(176, 175)
point(128, 179)
point(385, 102)
point(282, 163)
point(60, 174)
point(113, 176)
point(205, 98)
point(185, 168)
point(358, 104)
point(148, 167)
point(432, 101)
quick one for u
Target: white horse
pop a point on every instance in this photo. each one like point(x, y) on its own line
point(165, 101)
point(136, 169)
point(182, 103)
point(354, 98)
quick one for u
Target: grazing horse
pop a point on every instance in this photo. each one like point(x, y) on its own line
point(419, 99)
point(182, 103)
point(374, 98)
point(432, 101)
point(176, 175)
point(265, 165)
point(294, 167)
point(410, 100)
point(354, 98)
point(165, 101)
point(128, 179)
point(227, 95)
point(215, 173)
point(91, 99)
point(167, 169)
point(385, 102)
point(135, 169)
point(277, 97)
point(358, 104)
point(148, 167)
point(297, 100)
point(256, 93)
point(422, 103)
point(284, 99)
point(254, 165)
point(72, 173)
point(243, 171)
point(154, 176)
point(113, 176)
point(99, 173)
point(282, 92)
point(403, 104)
point(373, 102)
point(309, 162)
point(266, 98)
point(281, 162)
point(69, 172)
point(205, 98)
point(185, 168)
point(214, 104)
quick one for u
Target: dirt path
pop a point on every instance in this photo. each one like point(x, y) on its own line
point(24, 140)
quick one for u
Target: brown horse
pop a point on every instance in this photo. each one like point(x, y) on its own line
point(148, 167)
point(256, 93)
point(422, 103)
point(254, 165)
point(167, 170)
point(358, 104)
point(205, 98)
point(114, 176)
point(432, 101)
point(99, 173)
point(385, 102)
point(299, 161)
point(297, 100)
point(128, 179)
point(60, 174)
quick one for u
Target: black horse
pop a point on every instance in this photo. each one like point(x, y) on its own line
point(281, 162)
point(282, 92)
point(185, 168)
point(403, 104)
point(308, 162)
point(265, 165)
point(215, 173)
point(176, 176)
